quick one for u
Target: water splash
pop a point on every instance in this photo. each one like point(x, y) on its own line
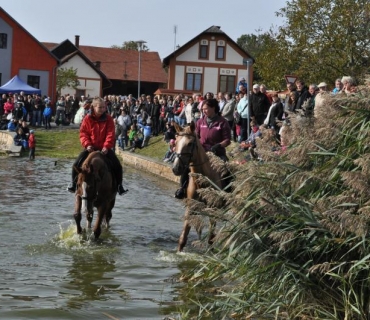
point(177, 256)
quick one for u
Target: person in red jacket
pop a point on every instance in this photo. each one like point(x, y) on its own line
point(32, 145)
point(97, 132)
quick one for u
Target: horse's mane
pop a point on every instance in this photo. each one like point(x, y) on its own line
point(91, 158)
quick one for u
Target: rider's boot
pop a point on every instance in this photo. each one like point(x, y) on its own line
point(121, 190)
point(73, 185)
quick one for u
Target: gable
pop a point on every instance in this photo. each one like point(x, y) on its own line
point(84, 70)
point(22, 38)
point(213, 36)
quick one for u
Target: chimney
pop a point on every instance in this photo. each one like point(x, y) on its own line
point(97, 64)
point(77, 41)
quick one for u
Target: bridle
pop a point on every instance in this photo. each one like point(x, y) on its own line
point(194, 147)
point(90, 199)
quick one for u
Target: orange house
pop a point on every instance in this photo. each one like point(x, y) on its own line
point(23, 55)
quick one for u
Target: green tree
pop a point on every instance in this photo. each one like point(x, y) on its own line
point(67, 78)
point(256, 46)
point(320, 41)
point(131, 45)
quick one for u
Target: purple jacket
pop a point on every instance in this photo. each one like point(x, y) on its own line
point(216, 132)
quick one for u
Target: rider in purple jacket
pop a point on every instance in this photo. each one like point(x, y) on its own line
point(213, 130)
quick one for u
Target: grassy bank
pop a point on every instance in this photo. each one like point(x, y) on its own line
point(58, 143)
point(65, 144)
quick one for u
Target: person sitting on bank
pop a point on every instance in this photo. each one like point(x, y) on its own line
point(97, 132)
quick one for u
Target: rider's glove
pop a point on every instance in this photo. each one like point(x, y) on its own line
point(215, 147)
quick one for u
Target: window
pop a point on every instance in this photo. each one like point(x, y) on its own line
point(193, 81)
point(203, 52)
point(220, 53)
point(227, 84)
point(3, 40)
point(80, 93)
point(203, 49)
point(34, 81)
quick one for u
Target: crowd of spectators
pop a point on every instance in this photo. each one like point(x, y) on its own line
point(138, 119)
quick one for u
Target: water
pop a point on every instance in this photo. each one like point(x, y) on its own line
point(48, 272)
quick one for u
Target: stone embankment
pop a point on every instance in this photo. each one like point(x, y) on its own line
point(7, 144)
point(147, 164)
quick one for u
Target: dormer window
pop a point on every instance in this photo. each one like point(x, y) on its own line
point(203, 49)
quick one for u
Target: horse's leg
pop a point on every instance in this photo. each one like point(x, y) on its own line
point(199, 230)
point(108, 215)
point(185, 232)
point(88, 209)
point(190, 194)
point(77, 214)
point(99, 219)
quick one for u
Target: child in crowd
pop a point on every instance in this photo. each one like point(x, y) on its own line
point(12, 125)
point(170, 132)
point(170, 154)
point(147, 132)
point(132, 134)
point(137, 143)
point(18, 137)
point(47, 115)
point(32, 145)
point(251, 141)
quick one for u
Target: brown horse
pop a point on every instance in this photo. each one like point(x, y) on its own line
point(96, 187)
point(190, 155)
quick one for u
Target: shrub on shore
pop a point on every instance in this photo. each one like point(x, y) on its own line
point(294, 241)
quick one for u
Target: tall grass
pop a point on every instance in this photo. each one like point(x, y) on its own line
point(294, 237)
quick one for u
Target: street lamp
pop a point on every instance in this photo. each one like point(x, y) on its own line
point(248, 63)
point(140, 47)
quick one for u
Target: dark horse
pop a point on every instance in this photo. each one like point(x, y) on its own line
point(96, 187)
point(190, 155)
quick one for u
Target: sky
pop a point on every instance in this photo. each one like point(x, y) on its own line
point(112, 22)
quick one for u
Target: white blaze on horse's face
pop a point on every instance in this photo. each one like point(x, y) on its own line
point(184, 149)
point(84, 197)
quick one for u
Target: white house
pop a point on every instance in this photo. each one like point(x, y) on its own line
point(210, 62)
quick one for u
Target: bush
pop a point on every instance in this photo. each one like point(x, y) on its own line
point(294, 238)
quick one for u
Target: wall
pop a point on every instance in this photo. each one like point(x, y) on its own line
point(7, 144)
point(149, 165)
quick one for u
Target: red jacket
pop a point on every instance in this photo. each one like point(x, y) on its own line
point(97, 132)
point(31, 141)
point(8, 107)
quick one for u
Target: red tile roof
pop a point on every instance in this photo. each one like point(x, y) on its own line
point(112, 63)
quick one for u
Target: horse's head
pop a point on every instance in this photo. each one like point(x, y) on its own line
point(185, 149)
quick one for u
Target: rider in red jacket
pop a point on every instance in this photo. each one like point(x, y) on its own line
point(97, 132)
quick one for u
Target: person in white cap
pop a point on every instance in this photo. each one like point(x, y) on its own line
point(322, 87)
